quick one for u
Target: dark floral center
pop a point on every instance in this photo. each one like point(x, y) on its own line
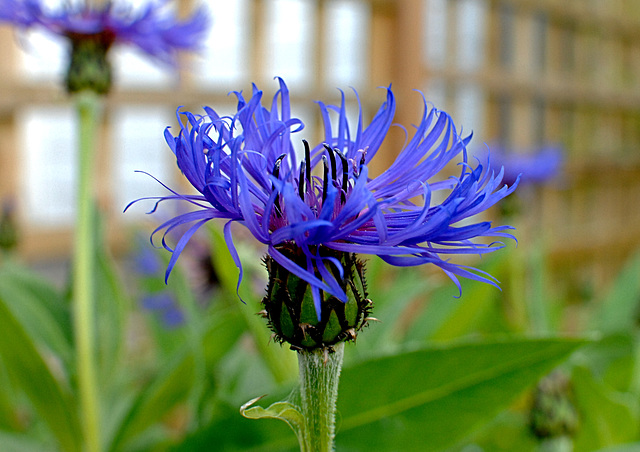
point(312, 191)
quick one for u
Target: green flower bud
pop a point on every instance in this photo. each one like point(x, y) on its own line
point(291, 312)
point(89, 67)
point(553, 413)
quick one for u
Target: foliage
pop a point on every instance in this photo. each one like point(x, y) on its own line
point(434, 364)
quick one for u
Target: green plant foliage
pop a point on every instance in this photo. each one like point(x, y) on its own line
point(607, 417)
point(51, 400)
point(285, 411)
point(230, 432)
point(12, 442)
point(39, 308)
point(112, 311)
point(407, 401)
point(620, 311)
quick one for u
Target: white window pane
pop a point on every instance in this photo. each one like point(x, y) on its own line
point(347, 25)
point(468, 113)
point(472, 16)
point(435, 33)
point(48, 164)
point(436, 93)
point(223, 59)
point(289, 44)
point(44, 57)
point(133, 68)
point(138, 145)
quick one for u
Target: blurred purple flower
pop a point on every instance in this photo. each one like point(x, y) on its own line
point(536, 167)
point(154, 28)
point(164, 304)
point(146, 261)
point(309, 213)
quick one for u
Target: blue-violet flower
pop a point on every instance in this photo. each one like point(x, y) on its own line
point(315, 213)
point(154, 29)
point(533, 167)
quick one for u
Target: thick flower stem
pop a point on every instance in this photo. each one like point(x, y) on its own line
point(88, 108)
point(319, 378)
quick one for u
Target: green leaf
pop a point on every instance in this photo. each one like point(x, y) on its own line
point(53, 404)
point(39, 308)
point(607, 417)
point(431, 398)
point(230, 432)
point(285, 411)
point(619, 310)
point(612, 360)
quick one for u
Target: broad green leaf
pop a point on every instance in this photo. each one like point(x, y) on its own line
point(285, 411)
point(618, 311)
point(509, 431)
point(607, 417)
point(52, 403)
point(431, 398)
point(612, 360)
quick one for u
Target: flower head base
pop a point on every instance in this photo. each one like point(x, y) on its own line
point(290, 309)
point(315, 213)
point(92, 31)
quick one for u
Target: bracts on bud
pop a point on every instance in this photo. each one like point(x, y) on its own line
point(290, 310)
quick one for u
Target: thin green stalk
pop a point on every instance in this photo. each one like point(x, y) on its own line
point(319, 378)
point(88, 108)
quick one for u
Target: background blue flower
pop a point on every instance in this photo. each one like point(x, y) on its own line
point(533, 167)
point(154, 28)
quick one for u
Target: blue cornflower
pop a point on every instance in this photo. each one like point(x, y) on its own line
point(533, 167)
point(154, 29)
point(314, 214)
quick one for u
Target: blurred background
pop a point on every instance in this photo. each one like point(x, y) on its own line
point(520, 74)
point(551, 87)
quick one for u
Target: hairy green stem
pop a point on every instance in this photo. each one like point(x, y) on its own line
point(319, 378)
point(88, 109)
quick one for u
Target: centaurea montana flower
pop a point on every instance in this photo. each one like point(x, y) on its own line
point(314, 215)
point(153, 29)
point(534, 167)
